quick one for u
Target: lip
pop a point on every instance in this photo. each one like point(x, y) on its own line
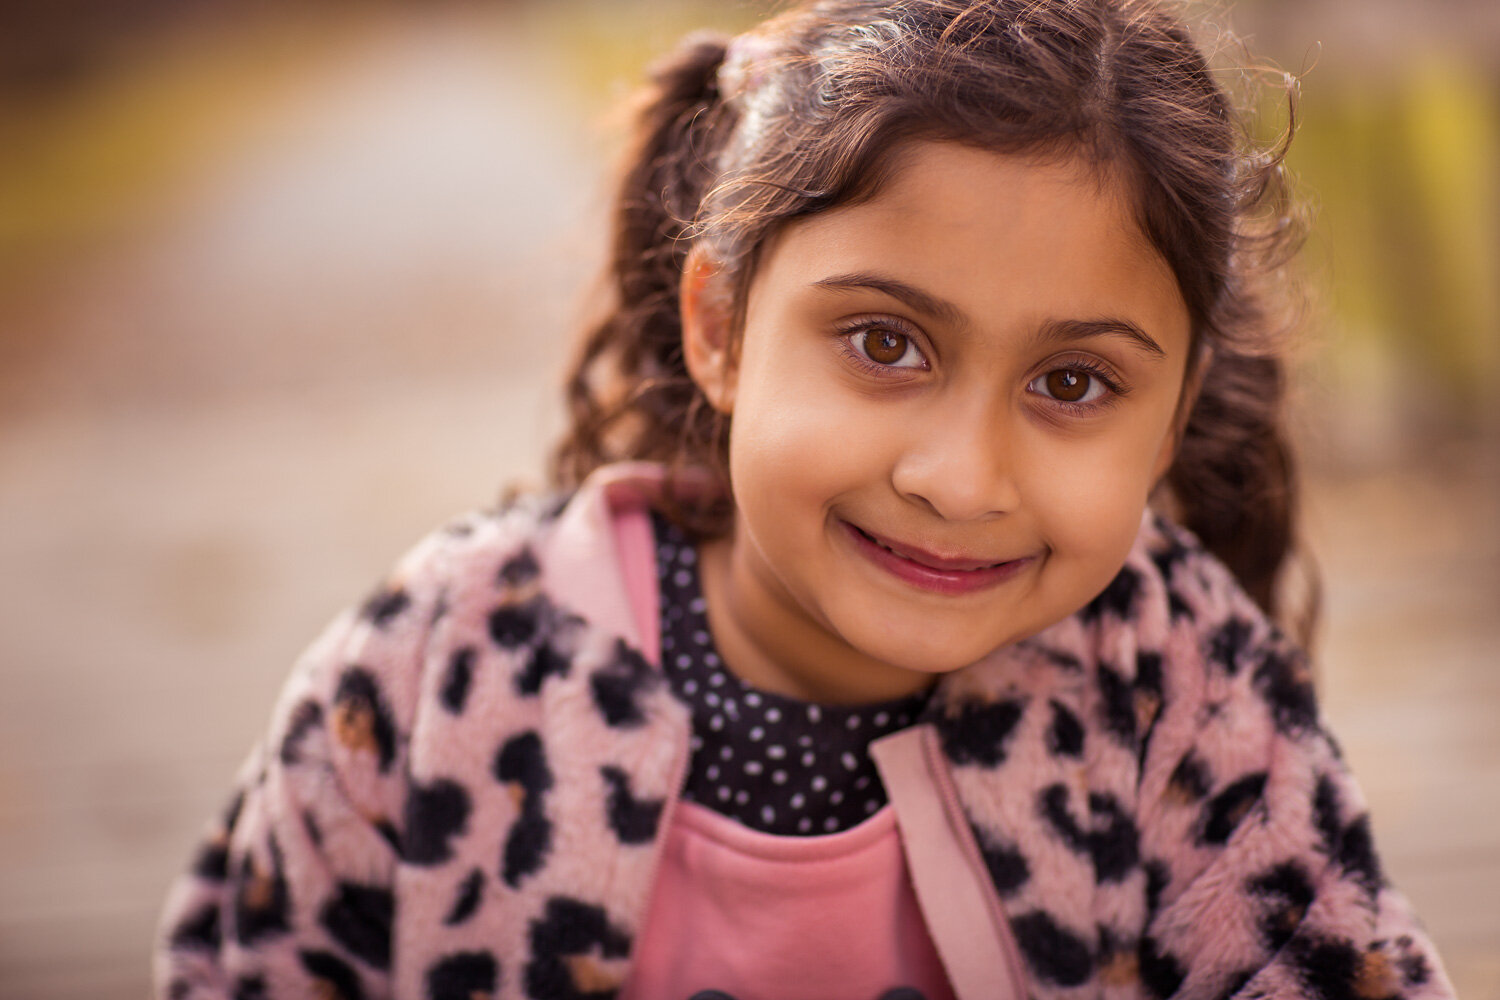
point(930, 571)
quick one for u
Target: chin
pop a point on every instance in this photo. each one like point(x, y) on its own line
point(930, 651)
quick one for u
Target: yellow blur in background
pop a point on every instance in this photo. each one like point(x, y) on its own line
point(283, 286)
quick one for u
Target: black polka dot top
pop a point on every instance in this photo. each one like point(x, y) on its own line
point(773, 763)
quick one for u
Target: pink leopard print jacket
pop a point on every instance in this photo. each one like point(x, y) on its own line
point(465, 781)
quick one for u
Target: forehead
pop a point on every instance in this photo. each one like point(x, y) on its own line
point(1009, 239)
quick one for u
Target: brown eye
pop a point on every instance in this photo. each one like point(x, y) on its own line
point(1068, 384)
point(886, 346)
point(882, 347)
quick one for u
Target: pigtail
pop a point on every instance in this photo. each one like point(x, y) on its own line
point(629, 394)
point(1233, 482)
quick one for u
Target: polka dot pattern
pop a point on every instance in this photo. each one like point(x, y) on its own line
point(773, 763)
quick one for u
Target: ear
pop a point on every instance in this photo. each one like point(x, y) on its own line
point(707, 342)
point(1192, 384)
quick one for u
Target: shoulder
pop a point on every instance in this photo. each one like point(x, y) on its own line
point(481, 550)
point(1236, 752)
point(463, 564)
point(362, 679)
point(1195, 634)
point(506, 591)
point(1172, 634)
point(1257, 845)
point(1222, 649)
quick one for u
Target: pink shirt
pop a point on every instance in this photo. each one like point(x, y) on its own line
point(763, 917)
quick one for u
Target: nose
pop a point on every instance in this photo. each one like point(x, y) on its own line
point(959, 465)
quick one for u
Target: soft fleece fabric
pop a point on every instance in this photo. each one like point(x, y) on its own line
point(466, 779)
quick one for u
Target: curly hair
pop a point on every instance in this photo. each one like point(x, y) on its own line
point(803, 113)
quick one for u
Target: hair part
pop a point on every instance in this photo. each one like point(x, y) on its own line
point(734, 140)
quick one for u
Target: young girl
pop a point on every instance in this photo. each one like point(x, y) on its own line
point(852, 663)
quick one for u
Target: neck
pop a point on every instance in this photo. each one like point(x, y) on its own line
point(767, 639)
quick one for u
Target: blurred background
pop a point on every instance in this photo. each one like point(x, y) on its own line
point(284, 285)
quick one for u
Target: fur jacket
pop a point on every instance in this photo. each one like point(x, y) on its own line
point(466, 778)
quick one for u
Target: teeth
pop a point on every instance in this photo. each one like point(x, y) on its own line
point(909, 558)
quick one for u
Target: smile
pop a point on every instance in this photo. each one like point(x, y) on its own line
point(931, 572)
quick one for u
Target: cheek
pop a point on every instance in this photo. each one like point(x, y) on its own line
point(795, 436)
point(1088, 503)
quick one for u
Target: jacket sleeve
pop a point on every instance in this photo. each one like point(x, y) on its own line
point(290, 893)
point(1263, 877)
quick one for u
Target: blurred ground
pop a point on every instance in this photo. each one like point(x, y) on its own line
point(220, 423)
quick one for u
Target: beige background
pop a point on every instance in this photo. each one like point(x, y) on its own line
point(278, 297)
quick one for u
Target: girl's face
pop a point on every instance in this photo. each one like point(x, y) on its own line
point(948, 407)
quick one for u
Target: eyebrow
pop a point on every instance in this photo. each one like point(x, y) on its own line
point(1081, 329)
point(916, 298)
point(942, 309)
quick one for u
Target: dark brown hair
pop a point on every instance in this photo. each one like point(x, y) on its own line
point(805, 113)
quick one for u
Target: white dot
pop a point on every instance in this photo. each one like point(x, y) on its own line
point(881, 718)
point(768, 815)
point(847, 759)
point(853, 722)
point(726, 752)
point(804, 825)
point(716, 723)
point(689, 687)
point(753, 767)
point(723, 793)
point(804, 741)
point(814, 713)
point(779, 777)
point(711, 658)
point(682, 578)
point(712, 772)
point(696, 743)
point(752, 699)
point(684, 661)
point(696, 606)
point(808, 759)
point(756, 732)
point(712, 699)
point(863, 782)
point(835, 797)
point(741, 797)
point(700, 637)
point(871, 806)
point(716, 680)
point(819, 783)
point(773, 714)
point(798, 800)
point(775, 751)
point(668, 552)
point(831, 824)
point(731, 709)
point(689, 555)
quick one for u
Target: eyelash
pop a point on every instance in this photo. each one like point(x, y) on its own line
point(1115, 387)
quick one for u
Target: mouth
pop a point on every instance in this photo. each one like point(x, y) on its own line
point(948, 574)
